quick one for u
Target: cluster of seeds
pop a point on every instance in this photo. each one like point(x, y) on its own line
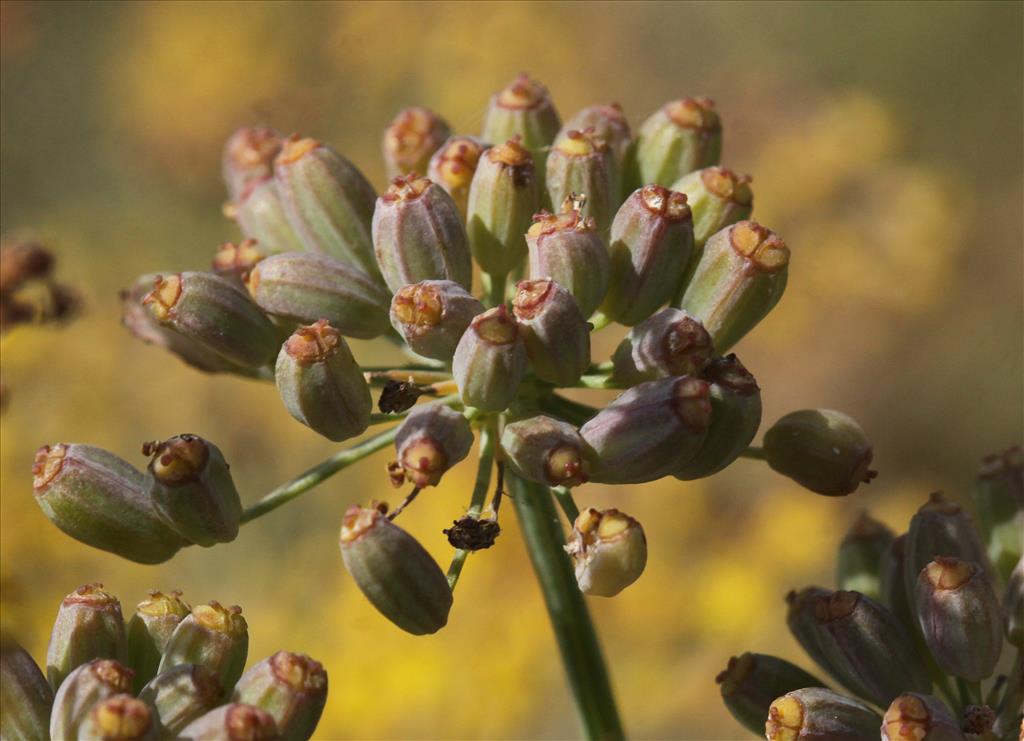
point(565, 228)
point(173, 671)
point(914, 632)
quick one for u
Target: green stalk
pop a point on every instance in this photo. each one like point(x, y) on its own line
point(318, 474)
point(567, 409)
point(488, 438)
point(494, 289)
point(327, 468)
point(577, 639)
point(597, 381)
point(567, 503)
point(754, 453)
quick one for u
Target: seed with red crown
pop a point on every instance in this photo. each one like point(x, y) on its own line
point(522, 108)
point(556, 335)
point(751, 681)
point(649, 431)
point(941, 527)
point(817, 714)
point(321, 384)
point(216, 313)
point(101, 500)
point(89, 625)
point(453, 165)
point(503, 197)
point(431, 439)
point(547, 451)
point(960, 617)
point(394, 571)
point(136, 318)
point(249, 156)
point(291, 687)
point(581, 162)
point(410, 139)
point(327, 201)
point(234, 722)
point(568, 249)
point(432, 316)
point(191, 487)
point(867, 648)
point(741, 275)
point(651, 244)
point(149, 629)
point(418, 235)
point(717, 197)
point(670, 343)
point(81, 690)
point(735, 417)
point(212, 636)
point(609, 124)
point(682, 136)
point(916, 717)
point(490, 360)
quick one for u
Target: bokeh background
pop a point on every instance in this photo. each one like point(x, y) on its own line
point(885, 141)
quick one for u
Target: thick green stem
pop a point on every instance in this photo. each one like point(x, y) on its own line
point(567, 503)
point(1007, 720)
point(753, 453)
point(577, 639)
point(488, 438)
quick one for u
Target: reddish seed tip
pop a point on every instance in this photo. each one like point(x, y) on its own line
point(419, 305)
point(314, 343)
point(252, 147)
point(949, 573)
point(295, 148)
point(48, 462)
point(531, 296)
point(113, 674)
point(694, 113)
point(764, 249)
point(836, 605)
point(522, 93)
point(727, 185)
point(298, 671)
point(92, 595)
point(496, 326)
point(164, 296)
point(249, 723)
point(406, 188)
point(511, 154)
point(666, 203)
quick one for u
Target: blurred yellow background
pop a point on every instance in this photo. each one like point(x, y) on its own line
point(885, 142)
